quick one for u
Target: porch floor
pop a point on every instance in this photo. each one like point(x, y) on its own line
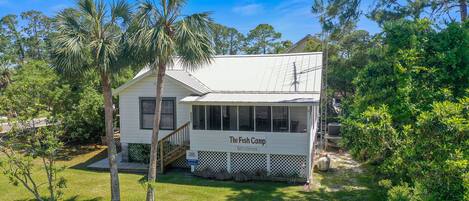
point(123, 166)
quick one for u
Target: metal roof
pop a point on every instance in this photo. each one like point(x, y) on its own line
point(178, 75)
point(240, 97)
point(249, 73)
point(188, 80)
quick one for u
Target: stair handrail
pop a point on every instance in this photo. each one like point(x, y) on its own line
point(180, 136)
point(175, 131)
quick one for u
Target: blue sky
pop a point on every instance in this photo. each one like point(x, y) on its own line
point(290, 17)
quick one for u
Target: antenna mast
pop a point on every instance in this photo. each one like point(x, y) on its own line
point(323, 98)
point(295, 79)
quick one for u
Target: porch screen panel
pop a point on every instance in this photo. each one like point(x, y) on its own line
point(263, 118)
point(213, 117)
point(198, 117)
point(298, 116)
point(246, 118)
point(230, 118)
point(280, 119)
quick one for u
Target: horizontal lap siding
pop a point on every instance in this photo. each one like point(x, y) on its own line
point(276, 143)
point(129, 108)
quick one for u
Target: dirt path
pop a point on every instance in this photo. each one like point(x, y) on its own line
point(346, 179)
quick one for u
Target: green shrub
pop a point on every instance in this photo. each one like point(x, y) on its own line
point(242, 176)
point(139, 153)
point(400, 193)
point(207, 173)
point(223, 175)
point(85, 122)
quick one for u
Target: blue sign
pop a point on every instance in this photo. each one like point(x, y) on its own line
point(192, 162)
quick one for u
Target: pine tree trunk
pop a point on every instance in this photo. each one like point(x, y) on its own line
point(463, 9)
point(154, 135)
point(111, 144)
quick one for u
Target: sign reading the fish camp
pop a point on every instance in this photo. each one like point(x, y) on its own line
point(257, 140)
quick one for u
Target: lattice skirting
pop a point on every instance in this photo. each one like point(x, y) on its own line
point(180, 163)
point(280, 165)
point(288, 165)
point(213, 160)
point(248, 162)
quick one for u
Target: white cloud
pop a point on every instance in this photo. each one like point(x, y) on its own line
point(249, 9)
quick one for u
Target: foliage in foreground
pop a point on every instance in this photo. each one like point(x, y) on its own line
point(410, 113)
point(35, 97)
point(24, 144)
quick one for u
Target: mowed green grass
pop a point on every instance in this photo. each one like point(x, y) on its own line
point(85, 184)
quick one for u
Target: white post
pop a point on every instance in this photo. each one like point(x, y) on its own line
point(310, 143)
point(228, 162)
point(269, 169)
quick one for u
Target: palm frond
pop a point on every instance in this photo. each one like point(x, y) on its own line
point(69, 47)
point(174, 8)
point(121, 9)
point(88, 7)
point(88, 37)
point(194, 43)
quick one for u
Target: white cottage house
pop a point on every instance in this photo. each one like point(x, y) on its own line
point(239, 113)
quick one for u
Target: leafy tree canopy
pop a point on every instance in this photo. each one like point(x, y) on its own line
point(262, 39)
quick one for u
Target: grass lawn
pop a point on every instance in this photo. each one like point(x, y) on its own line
point(84, 184)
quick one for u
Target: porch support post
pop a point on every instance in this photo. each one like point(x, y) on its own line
point(228, 162)
point(310, 129)
point(269, 168)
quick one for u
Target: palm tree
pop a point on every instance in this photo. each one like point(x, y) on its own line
point(90, 39)
point(5, 75)
point(162, 35)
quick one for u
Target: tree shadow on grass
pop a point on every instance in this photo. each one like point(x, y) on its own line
point(102, 154)
point(359, 189)
point(254, 190)
point(77, 197)
point(73, 198)
point(72, 151)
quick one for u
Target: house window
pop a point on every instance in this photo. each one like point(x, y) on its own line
point(230, 118)
point(246, 118)
point(298, 116)
point(198, 117)
point(168, 113)
point(213, 117)
point(263, 118)
point(280, 119)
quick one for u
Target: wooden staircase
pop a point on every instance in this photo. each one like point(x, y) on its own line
point(173, 146)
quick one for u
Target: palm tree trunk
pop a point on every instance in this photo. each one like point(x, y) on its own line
point(154, 134)
point(111, 144)
point(463, 9)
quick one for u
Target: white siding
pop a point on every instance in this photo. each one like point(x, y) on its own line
point(129, 108)
point(276, 143)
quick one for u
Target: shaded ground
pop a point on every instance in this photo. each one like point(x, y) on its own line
point(347, 180)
